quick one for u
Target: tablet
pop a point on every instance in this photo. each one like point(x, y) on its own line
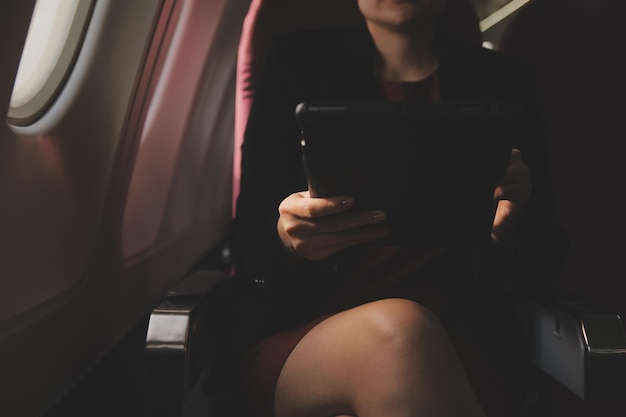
point(432, 166)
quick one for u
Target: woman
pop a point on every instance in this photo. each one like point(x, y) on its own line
point(331, 326)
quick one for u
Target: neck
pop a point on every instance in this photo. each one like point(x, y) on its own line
point(404, 56)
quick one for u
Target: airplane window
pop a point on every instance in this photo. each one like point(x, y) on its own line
point(55, 32)
point(506, 9)
point(495, 16)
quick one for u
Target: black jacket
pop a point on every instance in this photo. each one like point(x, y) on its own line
point(336, 64)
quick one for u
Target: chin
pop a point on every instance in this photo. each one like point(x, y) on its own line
point(401, 14)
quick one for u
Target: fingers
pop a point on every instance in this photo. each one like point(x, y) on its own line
point(303, 206)
point(512, 193)
point(515, 190)
point(316, 228)
point(340, 222)
point(322, 245)
point(332, 232)
point(515, 184)
point(325, 215)
point(516, 154)
point(516, 169)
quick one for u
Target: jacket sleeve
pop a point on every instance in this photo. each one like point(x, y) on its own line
point(271, 170)
point(539, 246)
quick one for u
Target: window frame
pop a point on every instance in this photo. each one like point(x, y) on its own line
point(29, 112)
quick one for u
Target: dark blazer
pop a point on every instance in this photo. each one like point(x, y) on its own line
point(336, 64)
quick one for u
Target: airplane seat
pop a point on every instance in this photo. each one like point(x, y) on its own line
point(576, 52)
point(268, 18)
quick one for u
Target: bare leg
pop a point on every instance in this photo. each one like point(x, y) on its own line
point(387, 358)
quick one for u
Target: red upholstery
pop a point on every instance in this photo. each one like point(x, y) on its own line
point(267, 18)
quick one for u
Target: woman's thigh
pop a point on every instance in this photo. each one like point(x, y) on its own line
point(390, 357)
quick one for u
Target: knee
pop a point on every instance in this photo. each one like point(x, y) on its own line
point(401, 324)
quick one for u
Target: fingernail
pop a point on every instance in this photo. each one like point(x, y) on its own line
point(346, 202)
point(379, 216)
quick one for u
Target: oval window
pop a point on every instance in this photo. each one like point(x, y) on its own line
point(54, 36)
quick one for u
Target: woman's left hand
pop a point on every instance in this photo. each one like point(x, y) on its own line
point(512, 194)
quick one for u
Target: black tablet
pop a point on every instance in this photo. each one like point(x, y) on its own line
point(432, 166)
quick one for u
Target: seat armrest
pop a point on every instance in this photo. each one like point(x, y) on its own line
point(175, 347)
point(579, 344)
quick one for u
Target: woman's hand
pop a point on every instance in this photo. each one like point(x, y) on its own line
point(512, 194)
point(316, 228)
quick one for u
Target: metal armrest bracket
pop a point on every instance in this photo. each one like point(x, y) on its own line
point(175, 351)
point(580, 347)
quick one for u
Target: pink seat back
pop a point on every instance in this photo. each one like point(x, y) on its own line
point(268, 18)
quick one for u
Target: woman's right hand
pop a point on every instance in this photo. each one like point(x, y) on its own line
point(316, 228)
